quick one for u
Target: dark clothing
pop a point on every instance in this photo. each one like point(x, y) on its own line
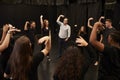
point(4, 59)
point(74, 33)
point(84, 35)
point(110, 64)
point(106, 33)
point(30, 33)
point(45, 32)
point(89, 55)
point(62, 45)
point(32, 74)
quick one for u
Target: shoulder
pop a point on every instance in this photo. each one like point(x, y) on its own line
point(109, 50)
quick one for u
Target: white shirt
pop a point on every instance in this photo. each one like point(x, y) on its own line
point(65, 30)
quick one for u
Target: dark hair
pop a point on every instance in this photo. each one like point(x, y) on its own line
point(21, 59)
point(109, 20)
point(70, 65)
point(115, 35)
point(45, 22)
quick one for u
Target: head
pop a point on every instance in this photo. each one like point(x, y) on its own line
point(65, 21)
point(114, 38)
point(32, 24)
point(108, 23)
point(46, 23)
point(21, 58)
point(70, 64)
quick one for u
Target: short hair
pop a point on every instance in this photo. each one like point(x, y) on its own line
point(109, 20)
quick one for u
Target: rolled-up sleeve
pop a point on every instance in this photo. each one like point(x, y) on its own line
point(59, 23)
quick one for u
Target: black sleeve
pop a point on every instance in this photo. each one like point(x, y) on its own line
point(37, 58)
point(91, 51)
point(7, 69)
point(107, 51)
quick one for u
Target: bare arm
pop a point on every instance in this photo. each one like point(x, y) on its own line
point(47, 40)
point(89, 25)
point(41, 21)
point(93, 37)
point(58, 19)
point(5, 29)
point(25, 26)
point(6, 41)
point(102, 17)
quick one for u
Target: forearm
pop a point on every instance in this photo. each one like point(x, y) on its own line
point(25, 27)
point(93, 36)
point(41, 22)
point(58, 19)
point(3, 37)
point(89, 24)
point(5, 43)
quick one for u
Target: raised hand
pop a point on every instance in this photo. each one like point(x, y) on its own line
point(90, 19)
point(81, 42)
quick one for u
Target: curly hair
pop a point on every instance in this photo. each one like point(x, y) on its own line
point(70, 64)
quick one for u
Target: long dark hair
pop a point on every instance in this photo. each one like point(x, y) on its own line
point(21, 59)
point(70, 65)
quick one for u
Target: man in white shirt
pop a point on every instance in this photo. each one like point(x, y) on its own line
point(64, 33)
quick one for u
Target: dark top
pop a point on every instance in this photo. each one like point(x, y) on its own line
point(30, 33)
point(106, 33)
point(110, 64)
point(45, 32)
point(32, 74)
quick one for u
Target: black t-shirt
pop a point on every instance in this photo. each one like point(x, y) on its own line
point(45, 32)
point(106, 33)
point(32, 74)
point(30, 33)
point(110, 64)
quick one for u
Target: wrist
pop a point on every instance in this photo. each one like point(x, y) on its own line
point(9, 32)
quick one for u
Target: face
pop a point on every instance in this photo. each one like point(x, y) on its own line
point(33, 25)
point(65, 21)
point(107, 24)
point(46, 23)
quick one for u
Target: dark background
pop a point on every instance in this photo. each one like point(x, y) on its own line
point(17, 12)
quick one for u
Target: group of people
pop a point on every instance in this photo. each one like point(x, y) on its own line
point(74, 61)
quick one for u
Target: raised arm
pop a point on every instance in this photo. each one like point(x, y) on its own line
point(102, 17)
point(41, 21)
point(47, 40)
point(89, 25)
point(26, 24)
point(93, 37)
point(58, 19)
point(5, 29)
point(6, 41)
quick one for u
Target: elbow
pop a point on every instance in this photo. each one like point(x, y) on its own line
point(91, 41)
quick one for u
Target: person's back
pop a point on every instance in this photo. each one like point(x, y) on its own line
point(110, 64)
